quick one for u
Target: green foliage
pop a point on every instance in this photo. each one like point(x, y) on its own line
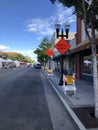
point(29, 60)
point(4, 56)
point(11, 57)
point(41, 50)
point(91, 10)
point(20, 57)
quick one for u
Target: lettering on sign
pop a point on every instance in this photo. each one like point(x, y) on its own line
point(62, 46)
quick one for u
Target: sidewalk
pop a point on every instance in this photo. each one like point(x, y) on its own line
point(85, 91)
point(77, 104)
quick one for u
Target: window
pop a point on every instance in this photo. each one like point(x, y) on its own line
point(87, 64)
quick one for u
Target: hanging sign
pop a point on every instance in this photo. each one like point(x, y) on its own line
point(49, 52)
point(62, 46)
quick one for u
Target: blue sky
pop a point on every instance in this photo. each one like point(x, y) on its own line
point(24, 23)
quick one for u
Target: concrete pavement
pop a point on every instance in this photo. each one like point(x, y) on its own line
point(84, 96)
point(84, 91)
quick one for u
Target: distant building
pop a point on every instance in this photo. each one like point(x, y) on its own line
point(81, 53)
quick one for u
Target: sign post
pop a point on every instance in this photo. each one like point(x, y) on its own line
point(62, 46)
point(49, 53)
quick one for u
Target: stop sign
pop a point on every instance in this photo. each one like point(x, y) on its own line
point(62, 46)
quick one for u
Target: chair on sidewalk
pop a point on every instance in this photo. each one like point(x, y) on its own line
point(69, 83)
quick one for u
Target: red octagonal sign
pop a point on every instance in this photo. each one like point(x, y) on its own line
point(62, 46)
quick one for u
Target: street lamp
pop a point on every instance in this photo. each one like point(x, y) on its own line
point(62, 35)
point(67, 26)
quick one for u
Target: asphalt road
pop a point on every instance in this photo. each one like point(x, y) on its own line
point(28, 102)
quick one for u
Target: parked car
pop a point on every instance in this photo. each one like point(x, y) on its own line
point(38, 66)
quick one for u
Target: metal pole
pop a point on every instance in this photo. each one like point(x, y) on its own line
point(62, 35)
point(49, 63)
point(61, 79)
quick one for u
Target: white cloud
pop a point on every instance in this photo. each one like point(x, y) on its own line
point(43, 27)
point(29, 53)
point(40, 26)
point(63, 13)
point(4, 48)
point(46, 26)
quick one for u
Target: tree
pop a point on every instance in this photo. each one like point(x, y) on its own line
point(18, 57)
point(41, 50)
point(4, 56)
point(29, 60)
point(87, 10)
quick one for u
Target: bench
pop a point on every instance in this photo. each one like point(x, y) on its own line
point(69, 83)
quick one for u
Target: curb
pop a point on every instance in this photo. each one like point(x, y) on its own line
point(71, 112)
point(73, 115)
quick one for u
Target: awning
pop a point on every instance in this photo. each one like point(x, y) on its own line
point(58, 56)
point(82, 46)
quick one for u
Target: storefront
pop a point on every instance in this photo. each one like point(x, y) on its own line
point(83, 64)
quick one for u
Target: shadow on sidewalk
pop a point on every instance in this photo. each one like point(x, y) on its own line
point(84, 105)
point(86, 116)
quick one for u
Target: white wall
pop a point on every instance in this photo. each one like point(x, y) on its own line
point(84, 36)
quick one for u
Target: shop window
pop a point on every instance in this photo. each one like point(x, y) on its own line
point(87, 65)
point(65, 67)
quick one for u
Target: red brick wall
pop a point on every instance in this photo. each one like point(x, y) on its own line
point(78, 40)
point(79, 31)
point(78, 66)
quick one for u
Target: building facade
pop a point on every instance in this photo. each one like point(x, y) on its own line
point(78, 59)
point(82, 54)
point(57, 56)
